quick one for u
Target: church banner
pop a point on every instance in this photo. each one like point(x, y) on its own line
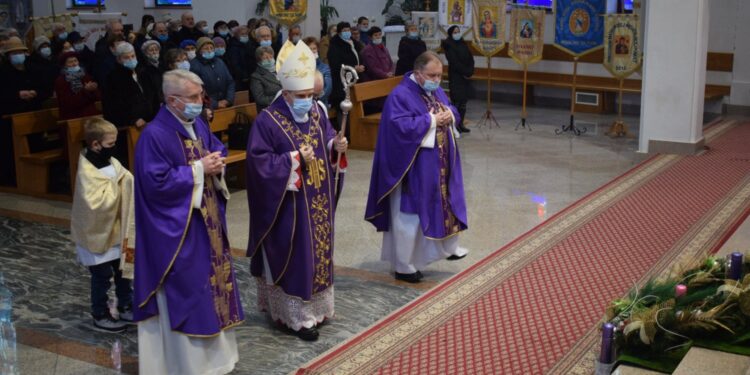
point(43, 25)
point(579, 26)
point(526, 35)
point(622, 44)
point(455, 13)
point(489, 26)
point(288, 12)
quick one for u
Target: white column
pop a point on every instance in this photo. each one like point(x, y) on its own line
point(674, 76)
point(311, 24)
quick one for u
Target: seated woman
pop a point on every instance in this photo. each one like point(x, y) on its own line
point(217, 81)
point(322, 67)
point(76, 91)
point(264, 85)
point(176, 58)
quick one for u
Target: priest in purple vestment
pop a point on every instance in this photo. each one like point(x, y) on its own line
point(416, 190)
point(291, 166)
point(186, 296)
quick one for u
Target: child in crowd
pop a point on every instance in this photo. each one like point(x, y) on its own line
point(102, 206)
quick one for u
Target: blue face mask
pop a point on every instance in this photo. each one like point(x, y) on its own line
point(79, 47)
point(346, 35)
point(130, 64)
point(302, 106)
point(192, 110)
point(18, 59)
point(295, 39)
point(430, 86)
point(377, 41)
point(270, 65)
point(45, 52)
point(220, 51)
point(265, 43)
point(413, 34)
point(457, 36)
point(162, 37)
point(223, 32)
point(244, 39)
point(73, 69)
point(63, 35)
point(184, 65)
point(208, 55)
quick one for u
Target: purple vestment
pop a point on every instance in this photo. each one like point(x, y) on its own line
point(181, 249)
point(431, 179)
point(295, 229)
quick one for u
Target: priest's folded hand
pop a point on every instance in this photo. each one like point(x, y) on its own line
point(213, 164)
point(307, 152)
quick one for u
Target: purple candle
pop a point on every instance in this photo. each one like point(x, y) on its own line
point(735, 266)
point(608, 341)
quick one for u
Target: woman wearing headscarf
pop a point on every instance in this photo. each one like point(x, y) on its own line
point(460, 69)
point(76, 91)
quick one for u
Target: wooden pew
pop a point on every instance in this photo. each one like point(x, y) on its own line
point(364, 129)
point(242, 97)
point(220, 124)
point(32, 169)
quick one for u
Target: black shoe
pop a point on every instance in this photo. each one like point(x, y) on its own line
point(107, 323)
point(463, 129)
point(126, 315)
point(455, 257)
point(307, 334)
point(409, 277)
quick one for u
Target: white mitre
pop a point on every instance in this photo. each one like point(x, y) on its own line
point(283, 54)
point(298, 69)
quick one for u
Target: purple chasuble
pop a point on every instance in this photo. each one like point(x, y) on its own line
point(431, 179)
point(183, 250)
point(295, 229)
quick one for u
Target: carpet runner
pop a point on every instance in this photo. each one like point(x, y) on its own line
point(534, 306)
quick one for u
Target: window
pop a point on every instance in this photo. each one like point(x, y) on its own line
point(87, 3)
point(173, 3)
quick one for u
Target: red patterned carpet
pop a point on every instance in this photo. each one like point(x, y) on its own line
point(533, 306)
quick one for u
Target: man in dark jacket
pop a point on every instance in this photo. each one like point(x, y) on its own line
point(23, 89)
point(240, 57)
point(86, 57)
point(188, 30)
point(113, 27)
point(409, 48)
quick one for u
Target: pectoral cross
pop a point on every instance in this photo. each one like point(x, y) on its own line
point(316, 171)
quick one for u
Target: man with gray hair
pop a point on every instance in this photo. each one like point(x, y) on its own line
point(59, 36)
point(186, 298)
point(188, 30)
point(113, 27)
point(264, 36)
point(416, 190)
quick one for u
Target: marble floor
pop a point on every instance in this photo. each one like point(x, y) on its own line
point(514, 180)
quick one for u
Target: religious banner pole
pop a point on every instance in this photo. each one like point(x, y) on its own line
point(622, 57)
point(489, 38)
point(578, 32)
point(348, 77)
point(526, 45)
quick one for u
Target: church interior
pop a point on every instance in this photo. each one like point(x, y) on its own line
point(606, 179)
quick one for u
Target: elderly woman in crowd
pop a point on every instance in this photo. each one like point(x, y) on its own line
point(409, 48)
point(42, 60)
point(321, 67)
point(76, 91)
point(376, 57)
point(176, 59)
point(218, 82)
point(264, 85)
point(130, 98)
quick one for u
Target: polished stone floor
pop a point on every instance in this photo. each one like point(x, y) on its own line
point(514, 180)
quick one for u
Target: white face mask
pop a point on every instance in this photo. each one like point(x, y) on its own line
point(190, 54)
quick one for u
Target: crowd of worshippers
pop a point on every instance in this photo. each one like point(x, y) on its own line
point(124, 70)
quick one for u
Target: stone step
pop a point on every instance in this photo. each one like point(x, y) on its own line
point(710, 362)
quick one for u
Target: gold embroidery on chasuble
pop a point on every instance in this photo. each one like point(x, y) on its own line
point(443, 138)
point(317, 180)
point(221, 281)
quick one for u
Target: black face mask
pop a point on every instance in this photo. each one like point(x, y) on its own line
point(100, 159)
